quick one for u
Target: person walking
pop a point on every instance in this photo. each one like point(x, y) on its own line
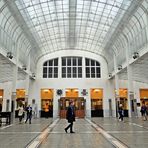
point(20, 113)
point(29, 114)
point(70, 116)
point(34, 109)
point(143, 111)
point(121, 114)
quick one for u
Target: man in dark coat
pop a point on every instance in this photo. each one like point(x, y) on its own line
point(70, 116)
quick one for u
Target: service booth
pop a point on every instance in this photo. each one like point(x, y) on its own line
point(96, 102)
point(143, 96)
point(46, 103)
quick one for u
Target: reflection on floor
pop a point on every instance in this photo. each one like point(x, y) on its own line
point(97, 132)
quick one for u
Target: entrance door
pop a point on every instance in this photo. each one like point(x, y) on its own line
point(79, 106)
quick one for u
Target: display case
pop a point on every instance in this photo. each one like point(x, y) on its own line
point(49, 102)
point(96, 108)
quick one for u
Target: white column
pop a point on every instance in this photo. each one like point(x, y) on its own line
point(55, 105)
point(117, 99)
point(130, 83)
point(130, 89)
point(13, 91)
point(27, 83)
point(88, 104)
point(110, 93)
point(14, 82)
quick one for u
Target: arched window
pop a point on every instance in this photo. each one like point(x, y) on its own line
point(92, 68)
point(50, 69)
point(72, 67)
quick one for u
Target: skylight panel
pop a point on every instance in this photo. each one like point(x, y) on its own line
point(91, 17)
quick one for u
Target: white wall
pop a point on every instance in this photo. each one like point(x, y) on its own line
point(59, 54)
point(82, 83)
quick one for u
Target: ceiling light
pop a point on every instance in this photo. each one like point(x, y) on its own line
point(76, 90)
point(67, 90)
point(97, 90)
point(45, 90)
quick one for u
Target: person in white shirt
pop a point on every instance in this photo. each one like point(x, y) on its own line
point(34, 110)
point(20, 113)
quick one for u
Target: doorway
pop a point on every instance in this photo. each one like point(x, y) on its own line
point(79, 106)
point(46, 102)
point(123, 99)
point(96, 102)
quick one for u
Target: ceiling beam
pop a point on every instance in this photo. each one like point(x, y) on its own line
point(21, 22)
point(124, 21)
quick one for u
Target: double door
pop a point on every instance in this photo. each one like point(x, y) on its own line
point(79, 105)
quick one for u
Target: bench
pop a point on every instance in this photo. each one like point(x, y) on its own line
point(6, 116)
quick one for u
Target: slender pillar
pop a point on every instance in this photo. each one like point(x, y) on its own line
point(14, 83)
point(130, 84)
point(13, 95)
point(117, 98)
point(27, 82)
point(55, 105)
point(88, 104)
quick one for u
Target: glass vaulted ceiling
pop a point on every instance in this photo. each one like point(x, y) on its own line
point(72, 24)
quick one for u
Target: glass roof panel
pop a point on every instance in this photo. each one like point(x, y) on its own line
point(57, 24)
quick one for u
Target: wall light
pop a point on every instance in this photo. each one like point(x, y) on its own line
point(45, 90)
